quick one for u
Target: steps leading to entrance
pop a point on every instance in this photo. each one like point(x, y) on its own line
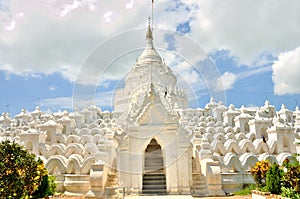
point(198, 187)
point(112, 180)
point(154, 183)
point(112, 189)
point(154, 179)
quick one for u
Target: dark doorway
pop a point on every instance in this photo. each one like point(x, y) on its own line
point(154, 178)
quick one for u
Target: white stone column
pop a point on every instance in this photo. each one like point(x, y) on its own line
point(96, 181)
point(184, 171)
point(123, 168)
point(170, 155)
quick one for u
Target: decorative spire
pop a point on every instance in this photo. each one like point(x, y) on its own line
point(149, 55)
point(149, 31)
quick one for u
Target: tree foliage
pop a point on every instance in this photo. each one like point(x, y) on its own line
point(20, 173)
point(273, 179)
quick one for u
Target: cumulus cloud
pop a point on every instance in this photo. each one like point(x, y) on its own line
point(57, 36)
point(226, 81)
point(247, 28)
point(286, 73)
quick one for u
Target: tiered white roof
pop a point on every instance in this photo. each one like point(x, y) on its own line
point(149, 69)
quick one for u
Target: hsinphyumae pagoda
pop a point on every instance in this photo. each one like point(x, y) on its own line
point(152, 143)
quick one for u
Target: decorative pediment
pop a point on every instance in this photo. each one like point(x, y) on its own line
point(154, 110)
point(154, 114)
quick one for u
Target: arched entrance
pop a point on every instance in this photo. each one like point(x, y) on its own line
point(154, 178)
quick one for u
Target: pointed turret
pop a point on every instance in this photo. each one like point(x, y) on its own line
point(149, 55)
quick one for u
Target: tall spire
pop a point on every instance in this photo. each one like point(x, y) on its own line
point(149, 55)
point(149, 31)
point(152, 2)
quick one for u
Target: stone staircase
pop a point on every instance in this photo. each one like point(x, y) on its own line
point(154, 183)
point(154, 179)
point(112, 179)
point(198, 187)
point(112, 190)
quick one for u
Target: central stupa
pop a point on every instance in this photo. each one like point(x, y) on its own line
point(149, 69)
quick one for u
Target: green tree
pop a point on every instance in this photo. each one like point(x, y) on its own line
point(20, 172)
point(273, 179)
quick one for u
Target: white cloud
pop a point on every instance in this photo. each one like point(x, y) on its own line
point(247, 28)
point(57, 103)
point(52, 88)
point(102, 99)
point(69, 7)
point(11, 26)
point(57, 36)
point(253, 71)
point(183, 69)
point(107, 16)
point(226, 81)
point(20, 14)
point(105, 98)
point(46, 41)
point(286, 73)
point(129, 4)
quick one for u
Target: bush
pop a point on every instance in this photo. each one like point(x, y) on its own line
point(273, 179)
point(287, 183)
point(259, 172)
point(289, 193)
point(20, 173)
point(291, 179)
point(46, 188)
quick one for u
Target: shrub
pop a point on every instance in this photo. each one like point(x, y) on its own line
point(264, 189)
point(289, 193)
point(20, 173)
point(259, 172)
point(273, 179)
point(46, 188)
point(291, 179)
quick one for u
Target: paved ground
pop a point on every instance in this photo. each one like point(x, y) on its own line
point(163, 197)
point(185, 197)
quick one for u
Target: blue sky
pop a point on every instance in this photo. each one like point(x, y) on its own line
point(45, 47)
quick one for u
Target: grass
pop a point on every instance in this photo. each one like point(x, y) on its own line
point(246, 190)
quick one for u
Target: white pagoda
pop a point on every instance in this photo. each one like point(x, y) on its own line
point(152, 143)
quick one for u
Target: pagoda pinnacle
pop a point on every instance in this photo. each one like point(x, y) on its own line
point(149, 31)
